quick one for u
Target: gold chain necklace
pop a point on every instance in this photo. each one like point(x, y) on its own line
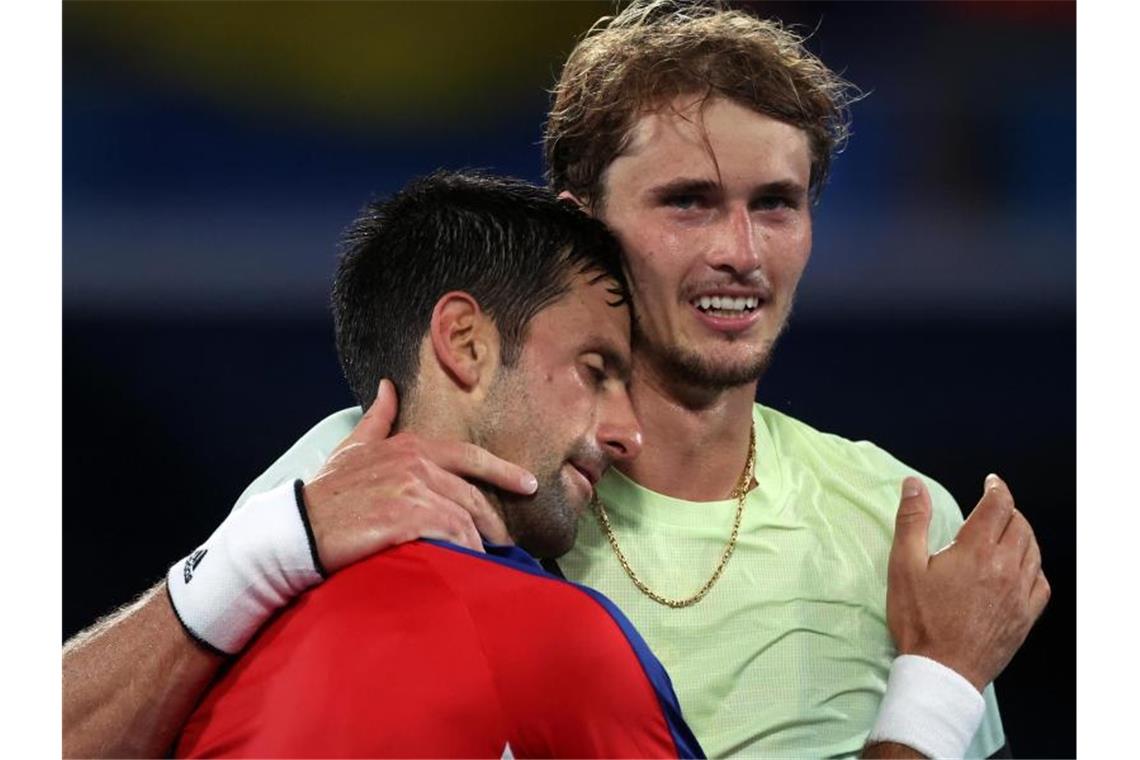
point(739, 493)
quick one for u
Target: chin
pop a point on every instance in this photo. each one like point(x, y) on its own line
point(710, 363)
point(545, 525)
point(718, 369)
point(549, 544)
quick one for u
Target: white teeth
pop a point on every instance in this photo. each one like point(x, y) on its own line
point(726, 303)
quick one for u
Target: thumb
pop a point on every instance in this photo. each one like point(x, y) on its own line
point(377, 421)
point(909, 549)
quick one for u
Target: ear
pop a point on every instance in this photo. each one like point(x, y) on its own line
point(464, 339)
point(569, 196)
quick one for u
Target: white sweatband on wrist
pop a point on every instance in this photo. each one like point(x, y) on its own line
point(929, 708)
point(262, 556)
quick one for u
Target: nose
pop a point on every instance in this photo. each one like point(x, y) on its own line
point(619, 432)
point(737, 250)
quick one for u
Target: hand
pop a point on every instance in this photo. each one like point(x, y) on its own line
point(376, 492)
point(971, 605)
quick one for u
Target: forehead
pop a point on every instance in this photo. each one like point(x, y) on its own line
point(713, 139)
point(584, 319)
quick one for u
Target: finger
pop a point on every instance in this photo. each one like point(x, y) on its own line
point(909, 549)
point(992, 514)
point(377, 421)
point(471, 461)
point(1039, 595)
point(1017, 537)
point(486, 518)
point(376, 424)
point(1030, 566)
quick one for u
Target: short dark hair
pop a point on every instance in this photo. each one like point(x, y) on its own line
point(513, 247)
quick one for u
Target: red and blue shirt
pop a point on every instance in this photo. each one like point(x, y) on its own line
point(429, 649)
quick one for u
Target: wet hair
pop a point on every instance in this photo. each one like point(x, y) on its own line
point(656, 50)
point(515, 248)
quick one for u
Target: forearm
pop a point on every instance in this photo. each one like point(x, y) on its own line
point(130, 681)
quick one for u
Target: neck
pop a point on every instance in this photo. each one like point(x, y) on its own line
point(695, 440)
point(435, 420)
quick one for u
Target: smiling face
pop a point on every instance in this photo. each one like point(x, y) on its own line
point(711, 206)
point(563, 412)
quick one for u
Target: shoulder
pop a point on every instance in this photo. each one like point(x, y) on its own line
point(331, 675)
point(305, 457)
point(567, 651)
point(375, 614)
point(858, 470)
point(797, 439)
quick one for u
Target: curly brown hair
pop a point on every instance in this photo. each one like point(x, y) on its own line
point(656, 50)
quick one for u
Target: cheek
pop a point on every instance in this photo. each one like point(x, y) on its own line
point(563, 399)
point(793, 257)
point(656, 267)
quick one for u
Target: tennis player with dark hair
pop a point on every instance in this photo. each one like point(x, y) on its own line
point(783, 575)
point(498, 311)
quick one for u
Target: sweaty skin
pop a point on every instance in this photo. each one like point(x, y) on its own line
point(711, 202)
point(693, 221)
point(131, 680)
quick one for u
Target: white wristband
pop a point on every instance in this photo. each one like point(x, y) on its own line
point(258, 559)
point(929, 708)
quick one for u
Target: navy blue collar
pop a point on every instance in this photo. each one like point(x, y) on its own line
point(509, 554)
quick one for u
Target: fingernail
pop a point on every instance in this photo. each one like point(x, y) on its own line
point(992, 482)
point(530, 484)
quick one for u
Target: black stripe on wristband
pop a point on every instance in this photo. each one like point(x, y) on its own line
point(299, 494)
point(190, 631)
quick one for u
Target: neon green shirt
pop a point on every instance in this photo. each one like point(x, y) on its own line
point(789, 652)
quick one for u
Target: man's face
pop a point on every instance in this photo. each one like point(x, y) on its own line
point(711, 206)
point(563, 411)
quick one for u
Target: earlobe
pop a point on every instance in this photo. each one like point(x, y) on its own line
point(459, 338)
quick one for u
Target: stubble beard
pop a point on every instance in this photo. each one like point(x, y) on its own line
point(545, 524)
point(692, 369)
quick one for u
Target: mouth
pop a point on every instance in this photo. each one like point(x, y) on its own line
point(728, 311)
point(591, 473)
point(582, 483)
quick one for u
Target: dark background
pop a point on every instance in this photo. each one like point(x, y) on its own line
point(213, 152)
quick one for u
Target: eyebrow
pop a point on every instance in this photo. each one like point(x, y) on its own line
point(693, 186)
point(683, 186)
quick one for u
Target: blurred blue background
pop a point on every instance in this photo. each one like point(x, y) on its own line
point(214, 151)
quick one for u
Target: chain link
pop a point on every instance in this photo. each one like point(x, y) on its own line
point(739, 493)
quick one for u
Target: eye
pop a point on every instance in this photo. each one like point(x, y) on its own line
point(595, 367)
point(686, 201)
point(773, 202)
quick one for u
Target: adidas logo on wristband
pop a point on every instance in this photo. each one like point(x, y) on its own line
point(261, 557)
point(192, 564)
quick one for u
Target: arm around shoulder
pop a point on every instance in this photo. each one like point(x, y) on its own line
point(130, 681)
